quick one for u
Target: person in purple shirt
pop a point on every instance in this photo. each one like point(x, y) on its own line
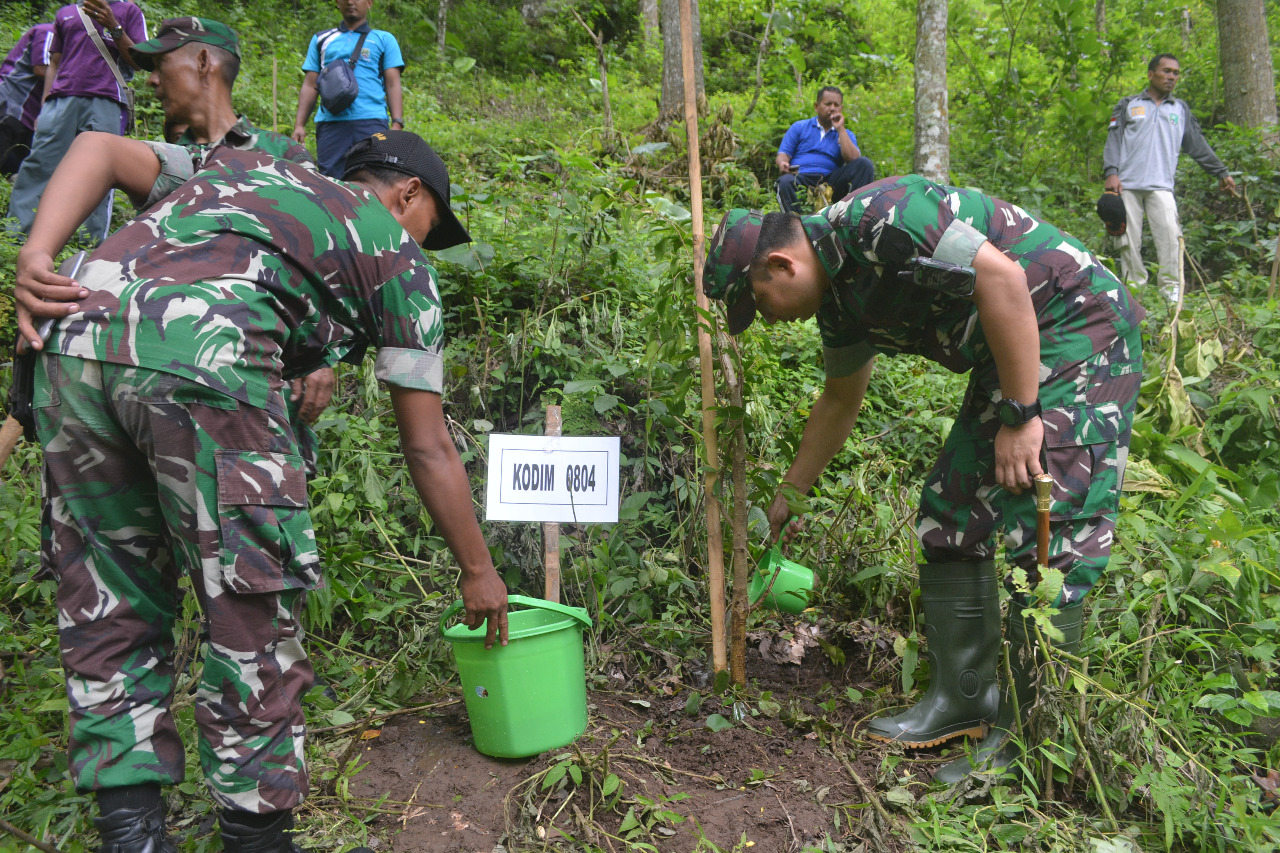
point(80, 93)
point(820, 148)
point(21, 87)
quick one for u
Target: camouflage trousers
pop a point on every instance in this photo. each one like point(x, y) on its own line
point(148, 477)
point(1088, 417)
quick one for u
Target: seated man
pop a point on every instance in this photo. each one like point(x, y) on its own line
point(159, 401)
point(811, 153)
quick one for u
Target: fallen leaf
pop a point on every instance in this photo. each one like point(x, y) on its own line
point(370, 734)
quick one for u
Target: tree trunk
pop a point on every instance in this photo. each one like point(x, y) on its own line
point(672, 107)
point(933, 128)
point(650, 28)
point(1100, 17)
point(1248, 79)
point(442, 25)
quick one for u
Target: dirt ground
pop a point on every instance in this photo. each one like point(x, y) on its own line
point(779, 779)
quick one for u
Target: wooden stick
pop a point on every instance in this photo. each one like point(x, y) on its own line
point(9, 435)
point(1044, 491)
point(275, 109)
point(715, 536)
point(25, 837)
point(551, 529)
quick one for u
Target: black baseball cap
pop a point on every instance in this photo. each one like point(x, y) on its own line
point(403, 151)
point(1111, 212)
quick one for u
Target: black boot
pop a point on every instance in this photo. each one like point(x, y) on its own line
point(271, 837)
point(138, 830)
point(962, 632)
point(999, 749)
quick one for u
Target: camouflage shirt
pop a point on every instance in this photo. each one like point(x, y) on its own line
point(866, 238)
point(242, 136)
point(257, 271)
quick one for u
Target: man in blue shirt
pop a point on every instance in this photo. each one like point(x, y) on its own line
point(377, 70)
point(811, 153)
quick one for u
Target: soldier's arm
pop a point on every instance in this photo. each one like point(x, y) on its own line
point(830, 422)
point(95, 163)
point(442, 484)
point(1008, 321)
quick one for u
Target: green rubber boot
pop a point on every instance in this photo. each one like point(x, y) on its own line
point(999, 749)
point(962, 631)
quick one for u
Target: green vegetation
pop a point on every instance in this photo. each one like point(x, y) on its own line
point(577, 292)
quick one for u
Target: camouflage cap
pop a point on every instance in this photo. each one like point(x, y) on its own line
point(175, 32)
point(724, 276)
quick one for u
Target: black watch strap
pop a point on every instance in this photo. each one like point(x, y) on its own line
point(1012, 413)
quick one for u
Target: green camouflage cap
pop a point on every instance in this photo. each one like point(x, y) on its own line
point(175, 32)
point(724, 276)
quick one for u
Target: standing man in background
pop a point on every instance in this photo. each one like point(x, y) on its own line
point(21, 91)
point(811, 153)
point(1146, 133)
point(81, 93)
point(377, 70)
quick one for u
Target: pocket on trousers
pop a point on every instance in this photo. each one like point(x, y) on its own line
point(1084, 458)
point(268, 544)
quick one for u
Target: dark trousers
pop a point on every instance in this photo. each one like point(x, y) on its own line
point(15, 145)
point(851, 175)
point(335, 138)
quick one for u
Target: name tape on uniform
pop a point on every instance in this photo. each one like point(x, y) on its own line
point(552, 478)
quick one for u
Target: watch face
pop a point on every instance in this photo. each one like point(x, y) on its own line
point(1010, 413)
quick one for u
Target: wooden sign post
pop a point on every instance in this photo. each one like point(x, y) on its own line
point(551, 529)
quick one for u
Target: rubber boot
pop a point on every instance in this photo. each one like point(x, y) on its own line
point(962, 631)
point(275, 837)
point(999, 748)
point(134, 831)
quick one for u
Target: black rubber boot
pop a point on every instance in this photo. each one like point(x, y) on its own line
point(999, 749)
point(962, 632)
point(271, 837)
point(134, 831)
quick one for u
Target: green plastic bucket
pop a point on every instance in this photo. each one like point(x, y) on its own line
point(792, 583)
point(531, 695)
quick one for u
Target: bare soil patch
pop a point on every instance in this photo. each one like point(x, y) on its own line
point(779, 777)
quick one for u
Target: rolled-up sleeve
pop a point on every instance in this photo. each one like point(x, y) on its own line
point(176, 168)
point(410, 352)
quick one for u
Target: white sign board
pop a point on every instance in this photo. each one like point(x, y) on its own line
point(552, 478)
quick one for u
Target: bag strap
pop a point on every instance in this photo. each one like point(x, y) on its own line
point(102, 49)
point(355, 54)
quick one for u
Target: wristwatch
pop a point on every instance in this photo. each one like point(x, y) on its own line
point(398, 121)
point(1012, 413)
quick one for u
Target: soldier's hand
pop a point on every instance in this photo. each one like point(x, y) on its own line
point(315, 391)
point(1018, 455)
point(484, 599)
point(41, 293)
point(778, 515)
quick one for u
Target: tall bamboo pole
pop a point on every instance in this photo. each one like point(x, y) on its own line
point(715, 537)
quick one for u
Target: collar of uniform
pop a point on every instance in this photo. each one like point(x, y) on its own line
point(825, 243)
point(363, 28)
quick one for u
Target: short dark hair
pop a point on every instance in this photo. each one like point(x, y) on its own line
point(1155, 60)
point(824, 91)
point(778, 230)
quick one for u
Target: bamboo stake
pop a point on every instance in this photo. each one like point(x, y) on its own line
point(551, 529)
point(715, 537)
point(275, 109)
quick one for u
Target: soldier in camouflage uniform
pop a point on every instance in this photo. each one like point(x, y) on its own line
point(193, 64)
point(1051, 341)
point(168, 451)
